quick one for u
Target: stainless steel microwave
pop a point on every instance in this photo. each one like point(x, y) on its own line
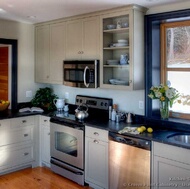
point(81, 73)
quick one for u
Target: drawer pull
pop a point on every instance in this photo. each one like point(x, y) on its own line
point(25, 135)
point(96, 141)
point(23, 121)
point(26, 153)
point(95, 133)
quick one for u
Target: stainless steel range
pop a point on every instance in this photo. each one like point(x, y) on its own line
point(67, 136)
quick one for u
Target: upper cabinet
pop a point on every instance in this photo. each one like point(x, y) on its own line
point(50, 53)
point(122, 49)
point(82, 41)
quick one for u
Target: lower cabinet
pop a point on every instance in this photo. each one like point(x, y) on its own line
point(171, 167)
point(18, 147)
point(45, 140)
point(96, 157)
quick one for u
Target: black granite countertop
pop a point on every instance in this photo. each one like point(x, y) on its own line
point(160, 134)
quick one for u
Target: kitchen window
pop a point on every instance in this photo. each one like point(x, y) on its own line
point(175, 63)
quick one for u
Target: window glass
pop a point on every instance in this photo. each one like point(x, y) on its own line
point(175, 63)
point(178, 47)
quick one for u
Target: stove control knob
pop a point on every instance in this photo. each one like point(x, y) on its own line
point(106, 104)
point(102, 104)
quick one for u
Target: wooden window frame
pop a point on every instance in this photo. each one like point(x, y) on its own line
point(163, 57)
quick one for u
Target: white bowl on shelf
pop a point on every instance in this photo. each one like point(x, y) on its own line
point(125, 25)
point(117, 82)
point(122, 41)
point(111, 27)
point(120, 44)
point(112, 62)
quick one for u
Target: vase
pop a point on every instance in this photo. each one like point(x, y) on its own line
point(164, 109)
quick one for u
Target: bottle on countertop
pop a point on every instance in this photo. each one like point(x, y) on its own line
point(110, 112)
point(113, 114)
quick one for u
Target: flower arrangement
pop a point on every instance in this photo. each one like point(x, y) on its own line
point(167, 96)
point(164, 93)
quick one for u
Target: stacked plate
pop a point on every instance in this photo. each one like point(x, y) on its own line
point(112, 62)
point(118, 82)
point(121, 43)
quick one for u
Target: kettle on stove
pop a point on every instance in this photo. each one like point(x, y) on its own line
point(80, 113)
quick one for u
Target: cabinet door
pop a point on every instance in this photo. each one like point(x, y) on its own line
point(42, 54)
point(45, 144)
point(91, 38)
point(96, 163)
point(74, 40)
point(170, 174)
point(57, 52)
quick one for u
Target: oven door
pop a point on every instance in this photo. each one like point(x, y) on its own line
point(67, 144)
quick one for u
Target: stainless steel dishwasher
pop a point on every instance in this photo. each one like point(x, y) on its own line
point(129, 162)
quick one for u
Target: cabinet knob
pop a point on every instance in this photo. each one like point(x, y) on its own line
point(79, 52)
point(45, 120)
point(48, 133)
point(25, 135)
point(24, 121)
point(96, 141)
point(95, 133)
point(0, 124)
point(26, 153)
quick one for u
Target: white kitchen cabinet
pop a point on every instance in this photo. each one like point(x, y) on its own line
point(18, 143)
point(42, 54)
point(96, 157)
point(50, 53)
point(170, 167)
point(82, 39)
point(129, 76)
point(45, 140)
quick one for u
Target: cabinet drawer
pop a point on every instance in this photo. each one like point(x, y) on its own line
point(17, 136)
point(171, 152)
point(4, 124)
point(95, 133)
point(45, 120)
point(11, 157)
point(22, 121)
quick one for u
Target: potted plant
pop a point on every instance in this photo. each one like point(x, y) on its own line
point(44, 98)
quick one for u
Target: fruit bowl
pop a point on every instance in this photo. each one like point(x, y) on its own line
point(4, 106)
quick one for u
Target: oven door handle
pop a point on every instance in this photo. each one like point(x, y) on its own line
point(66, 168)
point(85, 70)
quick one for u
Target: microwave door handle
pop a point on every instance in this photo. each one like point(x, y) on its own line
point(86, 84)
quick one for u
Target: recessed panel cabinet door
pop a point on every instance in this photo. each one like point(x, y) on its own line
point(82, 39)
point(91, 38)
point(57, 52)
point(74, 40)
point(42, 54)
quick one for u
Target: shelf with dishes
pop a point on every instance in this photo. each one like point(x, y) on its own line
point(120, 30)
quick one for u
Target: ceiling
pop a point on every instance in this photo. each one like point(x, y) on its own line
point(35, 11)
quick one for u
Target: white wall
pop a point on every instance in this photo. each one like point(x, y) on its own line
point(127, 100)
point(24, 33)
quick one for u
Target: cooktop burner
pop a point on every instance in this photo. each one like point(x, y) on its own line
point(98, 110)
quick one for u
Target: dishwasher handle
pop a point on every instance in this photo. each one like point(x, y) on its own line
point(132, 141)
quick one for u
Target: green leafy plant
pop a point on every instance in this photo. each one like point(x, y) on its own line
point(44, 98)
